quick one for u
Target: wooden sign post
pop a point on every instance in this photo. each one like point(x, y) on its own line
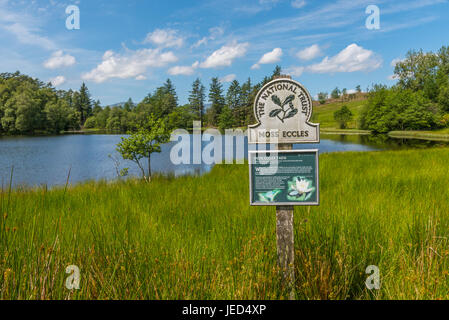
point(283, 109)
point(285, 241)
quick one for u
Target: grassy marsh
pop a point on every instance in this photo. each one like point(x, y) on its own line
point(198, 238)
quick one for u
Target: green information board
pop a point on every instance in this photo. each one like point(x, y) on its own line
point(287, 178)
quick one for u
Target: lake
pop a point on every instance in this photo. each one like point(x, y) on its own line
point(48, 160)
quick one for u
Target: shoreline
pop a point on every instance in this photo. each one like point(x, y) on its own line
point(421, 135)
point(345, 131)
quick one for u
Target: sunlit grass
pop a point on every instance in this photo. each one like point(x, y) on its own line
point(324, 114)
point(438, 135)
point(198, 238)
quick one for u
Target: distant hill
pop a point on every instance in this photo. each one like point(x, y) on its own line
point(324, 113)
point(348, 98)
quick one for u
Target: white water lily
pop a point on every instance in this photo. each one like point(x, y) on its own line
point(302, 186)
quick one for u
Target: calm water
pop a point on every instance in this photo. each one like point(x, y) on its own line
point(47, 160)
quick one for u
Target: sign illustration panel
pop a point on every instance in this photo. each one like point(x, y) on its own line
point(284, 177)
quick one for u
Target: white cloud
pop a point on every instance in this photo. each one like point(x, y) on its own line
point(351, 59)
point(26, 35)
point(225, 56)
point(295, 71)
point(228, 78)
point(392, 77)
point(132, 64)
point(310, 53)
point(24, 27)
point(184, 70)
point(410, 5)
point(58, 60)
point(165, 38)
point(141, 77)
point(263, 5)
point(214, 34)
point(269, 57)
point(298, 4)
point(57, 81)
point(396, 61)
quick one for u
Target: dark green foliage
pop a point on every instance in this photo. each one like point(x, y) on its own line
point(145, 141)
point(398, 109)
point(276, 72)
point(181, 118)
point(28, 106)
point(443, 98)
point(343, 116)
point(322, 97)
point(420, 100)
point(129, 105)
point(160, 104)
point(217, 101)
point(236, 101)
point(226, 119)
point(83, 103)
point(196, 100)
point(336, 93)
point(245, 112)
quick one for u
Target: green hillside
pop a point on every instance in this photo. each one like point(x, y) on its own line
point(324, 114)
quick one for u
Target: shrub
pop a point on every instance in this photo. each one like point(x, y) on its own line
point(90, 123)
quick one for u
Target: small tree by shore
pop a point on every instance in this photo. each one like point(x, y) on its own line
point(144, 142)
point(343, 116)
point(322, 97)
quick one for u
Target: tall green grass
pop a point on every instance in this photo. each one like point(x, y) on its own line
point(437, 135)
point(198, 238)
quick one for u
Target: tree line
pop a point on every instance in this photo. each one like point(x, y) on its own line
point(30, 106)
point(233, 108)
point(419, 100)
point(336, 94)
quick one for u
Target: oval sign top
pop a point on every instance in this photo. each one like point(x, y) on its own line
point(283, 108)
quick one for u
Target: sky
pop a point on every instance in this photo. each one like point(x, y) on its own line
point(126, 49)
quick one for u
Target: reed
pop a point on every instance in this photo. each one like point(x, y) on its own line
point(198, 238)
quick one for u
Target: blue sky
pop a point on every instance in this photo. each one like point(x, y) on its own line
point(128, 48)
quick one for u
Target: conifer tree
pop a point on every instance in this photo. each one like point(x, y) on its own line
point(196, 100)
point(216, 99)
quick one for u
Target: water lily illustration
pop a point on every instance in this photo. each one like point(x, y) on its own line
point(269, 196)
point(300, 189)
